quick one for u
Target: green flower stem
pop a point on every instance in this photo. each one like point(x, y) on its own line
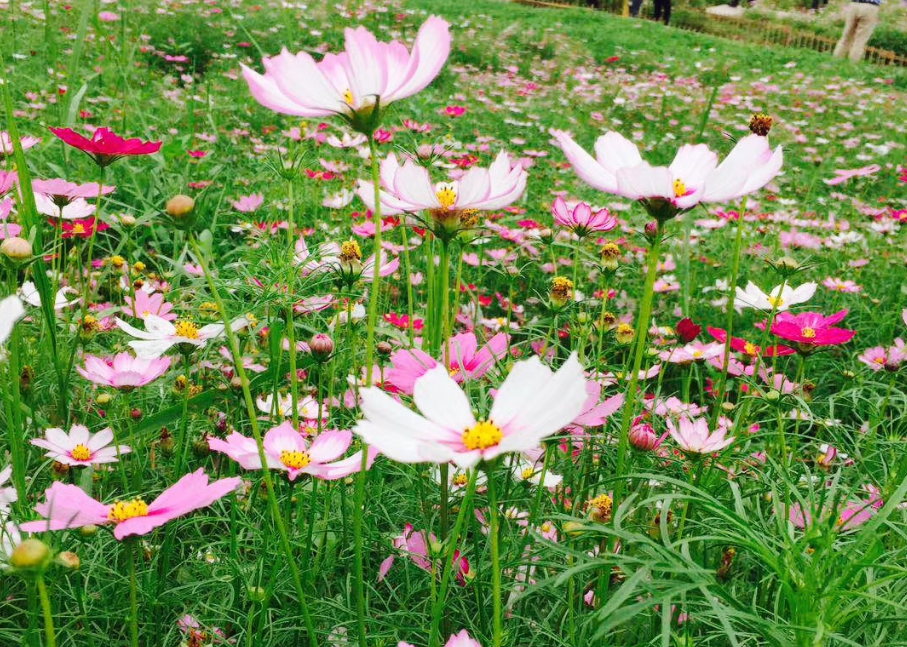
point(273, 504)
point(133, 593)
point(494, 532)
point(49, 633)
point(642, 327)
point(437, 611)
point(16, 431)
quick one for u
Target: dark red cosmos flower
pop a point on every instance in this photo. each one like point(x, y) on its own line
point(810, 330)
point(687, 330)
point(83, 228)
point(748, 348)
point(105, 147)
point(402, 321)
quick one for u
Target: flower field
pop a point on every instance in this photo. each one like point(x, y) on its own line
point(412, 323)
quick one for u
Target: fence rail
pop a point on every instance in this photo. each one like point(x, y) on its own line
point(744, 29)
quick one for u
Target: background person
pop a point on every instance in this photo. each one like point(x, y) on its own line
point(860, 19)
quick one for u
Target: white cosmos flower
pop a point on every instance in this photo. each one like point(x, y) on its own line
point(76, 209)
point(780, 298)
point(30, 295)
point(159, 334)
point(11, 311)
point(533, 403)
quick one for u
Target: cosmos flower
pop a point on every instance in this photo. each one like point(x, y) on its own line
point(462, 639)
point(286, 450)
point(694, 436)
point(692, 352)
point(79, 447)
point(532, 403)
point(781, 298)
point(367, 75)
point(123, 371)
point(694, 177)
point(6, 143)
point(8, 494)
point(67, 506)
point(408, 188)
point(741, 345)
point(77, 209)
point(810, 330)
point(62, 192)
point(248, 203)
point(417, 546)
point(84, 228)
point(148, 304)
point(30, 295)
point(344, 260)
point(462, 357)
point(581, 220)
point(890, 358)
point(105, 147)
point(160, 335)
point(11, 311)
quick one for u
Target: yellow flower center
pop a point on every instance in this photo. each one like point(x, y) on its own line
point(776, 302)
point(123, 510)
point(680, 189)
point(453, 371)
point(295, 460)
point(80, 453)
point(78, 228)
point(117, 261)
point(482, 436)
point(447, 194)
point(460, 480)
point(186, 329)
point(350, 251)
point(546, 527)
point(809, 333)
point(348, 97)
point(527, 473)
point(879, 360)
point(749, 348)
point(139, 266)
point(697, 353)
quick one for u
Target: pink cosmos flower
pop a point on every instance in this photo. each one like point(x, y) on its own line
point(63, 192)
point(693, 352)
point(148, 304)
point(693, 177)
point(343, 259)
point(6, 143)
point(694, 436)
point(841, 285)
point(581, 220)
point(595, 412)
point(79, 446)
point(366, 75)
point(462, 639)
point(850, 515)
point(248, 203)
point(75, 209)
point(532, 403)
point(287, 450)
point(417, 546)
point(890, 358)
point(462, 356)
point(748, 348)
point(123, 371)
point(105, 147)
point(842, 175)
point(811, 329)
point(409, 189)
point(67, 506)
point(8, 495)
point(455, 111)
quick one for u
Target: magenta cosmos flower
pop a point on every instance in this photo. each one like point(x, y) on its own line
point(79, 446)
point(694, 436)
point(532, 403)
point(693, 177)
point(463, 358)
point(123, 371)
point(67, 506)
point(367, 75)
point(287, 450)
point(810, 330)
point(581, 220)
point(105, 147)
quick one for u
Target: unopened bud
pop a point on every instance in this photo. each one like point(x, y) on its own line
point(103, 399)
point(31, 554)
point(322, 346)
point(180, 206)
point(257, 593)
point(16, 249)
point(384, 348)
point(68, 559)
point(642, 437)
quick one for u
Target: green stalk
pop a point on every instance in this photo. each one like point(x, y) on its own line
point(49, 632)
point(273, 504)
point(133, 594)
point(494, 531)
point(642, 327)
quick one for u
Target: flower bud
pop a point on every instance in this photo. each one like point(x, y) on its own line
point(180, 206)
point(322, 346)
point(625, 333)
point(103, 399)
point(384, 348)
point(31, 554)
point(257, 593)
point(16, 249)
point(574, 528)
point(68, 559)
point(642, 437)
point(88, 531)
point(610, 253)
point(561, 292)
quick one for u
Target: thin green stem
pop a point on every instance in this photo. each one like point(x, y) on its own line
point(133, 594)
point(49, 633)
point(494, 532)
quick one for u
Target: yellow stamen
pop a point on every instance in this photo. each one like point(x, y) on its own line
point(186, 329)
point(447, 194)
point(117, 261)
point(123, 510)
point(482, 436)
point(350, 251)
point(749, 348)
point(528, 473)
point(295, 460)
point(348, 97)
point(809, 333)
point(80, 453)
point(776, 302)
point(460, 480)
point(680, 189)
point(78, 228)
